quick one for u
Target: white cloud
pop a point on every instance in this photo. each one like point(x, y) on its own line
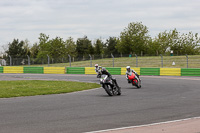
point(25, 19)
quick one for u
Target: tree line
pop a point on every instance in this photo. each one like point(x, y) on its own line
point(134, 39)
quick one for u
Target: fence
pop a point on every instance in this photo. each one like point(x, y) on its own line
point(185, 61)
point(113, 71)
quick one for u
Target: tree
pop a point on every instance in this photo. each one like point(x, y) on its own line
point(110, 46)
point(18, 49)
point(70, 47)
point(180, 44)
point(82, 46)
point(161, 43)
point(133, 39)
point(57, 48)
point(34, 50)
point(186, 44)
point(44, 46)
point(91, 50)
point(153, 48)
point(98, 46)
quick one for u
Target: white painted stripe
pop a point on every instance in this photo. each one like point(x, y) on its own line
point(143, 125)
point(169, 77)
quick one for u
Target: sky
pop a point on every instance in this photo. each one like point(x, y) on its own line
point(26, 19)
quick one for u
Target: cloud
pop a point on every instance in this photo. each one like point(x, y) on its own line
point(25, 19)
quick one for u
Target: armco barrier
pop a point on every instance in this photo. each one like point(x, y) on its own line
point(90, 70)
point(137, 69)
point(38, 70)
point(75, 70)
point(1, 69)
point(54, 70)
point(170, 72)
point(114, 70)
point(150, 71)
point(190, 71)
point(11, 69)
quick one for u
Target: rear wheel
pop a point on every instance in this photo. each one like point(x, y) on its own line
point(98, 76)
point(139, 84)
point(119, 91)
point(108, 90)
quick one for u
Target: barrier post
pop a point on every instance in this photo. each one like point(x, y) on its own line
point(69, 60)
point(187, 59)
point(136, 60)
point(161, 60)
point(90, 60)
point(10, 60)
point(28, 60)
point(48, 59)
point(113, 59)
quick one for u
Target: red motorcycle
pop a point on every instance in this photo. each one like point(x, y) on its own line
point(134, 80)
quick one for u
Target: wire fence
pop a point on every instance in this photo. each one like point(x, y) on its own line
point(184, 61)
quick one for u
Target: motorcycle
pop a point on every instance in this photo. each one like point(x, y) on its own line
point(109, 85)
point(134, 80)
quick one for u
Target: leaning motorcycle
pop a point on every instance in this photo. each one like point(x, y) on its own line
point(109, 85)
point(134, 80)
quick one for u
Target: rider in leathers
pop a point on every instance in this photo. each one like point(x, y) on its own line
point(104, 71)
point(128, 68)
point(98, 70)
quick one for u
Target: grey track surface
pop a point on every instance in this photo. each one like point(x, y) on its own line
point(160, 99)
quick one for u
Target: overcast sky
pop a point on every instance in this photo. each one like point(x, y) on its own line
point(26, 19)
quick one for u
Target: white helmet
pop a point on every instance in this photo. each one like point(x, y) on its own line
point(96, 65)
point(128, 68)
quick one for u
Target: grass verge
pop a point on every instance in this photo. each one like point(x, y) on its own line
point(143, 61)
point(40, 87)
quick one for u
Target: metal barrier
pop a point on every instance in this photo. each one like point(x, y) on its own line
point(185, 61)
point(113, 71)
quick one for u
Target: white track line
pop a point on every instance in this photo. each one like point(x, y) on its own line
point(172, 77)
point(143, 125)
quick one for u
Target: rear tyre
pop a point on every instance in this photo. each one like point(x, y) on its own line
point(108, 90)
point(119, 91)
point(98, 76)
point(139, 84)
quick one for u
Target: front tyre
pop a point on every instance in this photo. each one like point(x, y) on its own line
point(108, 90)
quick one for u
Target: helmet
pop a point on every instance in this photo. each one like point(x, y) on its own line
point(103, 69)
point(128, 68)
point(96, 65)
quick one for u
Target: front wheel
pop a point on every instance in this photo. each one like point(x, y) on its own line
point(108, 90)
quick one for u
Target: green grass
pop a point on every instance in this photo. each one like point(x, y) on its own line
point(40, 87)
point(143, 61)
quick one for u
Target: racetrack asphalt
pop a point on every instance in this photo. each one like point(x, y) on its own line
point(161, 98)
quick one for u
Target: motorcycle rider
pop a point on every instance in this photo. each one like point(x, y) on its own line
point(104, 71)
point(128, 70)
point(98, 70)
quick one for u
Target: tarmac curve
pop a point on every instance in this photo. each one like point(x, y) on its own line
point(164, 104)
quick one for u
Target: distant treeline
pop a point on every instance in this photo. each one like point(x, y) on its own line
point(134, 39)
